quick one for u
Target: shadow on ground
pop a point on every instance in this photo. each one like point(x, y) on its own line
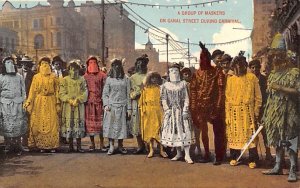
point(11, 164)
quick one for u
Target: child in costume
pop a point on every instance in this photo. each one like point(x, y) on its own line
point(151, 112)
point(73, 94)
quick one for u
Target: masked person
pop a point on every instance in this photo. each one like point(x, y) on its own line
point(176, 128)
point(43, 105)
point(243, 102)
point(95, 80)
point(207, 101)
point(136, 81)
point(254, 67)
point(281, 116)
point(73, 94)
point(151, 113)
point(12, 93)
point(117, 106)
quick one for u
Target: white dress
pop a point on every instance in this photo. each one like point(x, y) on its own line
point(176, 131)
point(116, 95)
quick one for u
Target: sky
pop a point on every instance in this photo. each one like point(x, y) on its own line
point(167, 20)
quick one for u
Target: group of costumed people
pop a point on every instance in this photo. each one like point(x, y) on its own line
point(77, 101)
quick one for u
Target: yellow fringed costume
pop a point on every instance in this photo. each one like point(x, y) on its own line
point(243, 102)
point(151, 113)
point(43, 98)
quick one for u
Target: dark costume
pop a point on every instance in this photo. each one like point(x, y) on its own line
point(207, 103)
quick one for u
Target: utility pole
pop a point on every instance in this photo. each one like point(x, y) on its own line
point(103, 30)
point(167, 38)
point(189, 55)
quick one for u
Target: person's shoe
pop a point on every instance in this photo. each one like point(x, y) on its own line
point(53, 151)
point(204, 160)
point(25, 149)
point(252, 165)
point(188, 160)
point(122, 150)
point(139, 151)
point(103, 149)
point(79, 150)
point(292, 174)
point(92, 148)
point(110, 152)
point(176, 158)
point(217, 162)
point(163, 154)
point(150, 155)
point(273, 172)
point(19, 153)
point(233, 163)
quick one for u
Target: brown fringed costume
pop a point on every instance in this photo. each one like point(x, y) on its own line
point(207, 99)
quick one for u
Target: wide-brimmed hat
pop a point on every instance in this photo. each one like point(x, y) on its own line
point(216, 52)
point(26, 59)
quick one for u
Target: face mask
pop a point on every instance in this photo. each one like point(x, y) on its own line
point(174, 75)
point(240, 70)
point(74, 74)
point(9, 66)
point(141, 67)
point(45, 68)
point(93, 67)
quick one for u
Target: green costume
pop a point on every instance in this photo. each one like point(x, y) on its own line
point(73, 116)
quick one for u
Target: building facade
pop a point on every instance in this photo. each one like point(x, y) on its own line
point(261, 34)
point(8, 40)
point(46, 30)
point(287, 21)
point(74, 31)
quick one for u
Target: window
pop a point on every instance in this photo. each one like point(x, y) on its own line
point(8, 24)
point(38, 23)
point(38, 41)
point(35, 24)
point(51, 39)
point(12, 44)
point(1, 42)
point(41, 23)
point(6, 42)
point(58, 21)
point(58, 39)
point(16, 24)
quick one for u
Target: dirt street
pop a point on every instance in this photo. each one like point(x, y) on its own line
point(98, 170)
point(92, 170)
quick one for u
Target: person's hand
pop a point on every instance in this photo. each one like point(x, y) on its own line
point(202, 46)
point(28, 107)
point(75, 102)
point(129, 113)
point(58, 108)
point(70, 101)
point(275, 86)
point(185, 115)
point(106, 108)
